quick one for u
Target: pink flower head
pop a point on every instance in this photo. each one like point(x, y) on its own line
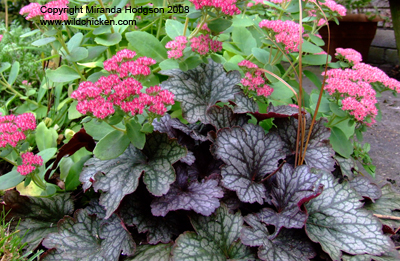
point(177, 46)
point(1, 37)
point(33, 10)
point(255, 80)
point(331, 4)
point(13, 128)
point(228, 7)
point(285, 32)
point(30, 162)
point(121, 89)
point(247, 64)
point(203, 43)
point(351, 55)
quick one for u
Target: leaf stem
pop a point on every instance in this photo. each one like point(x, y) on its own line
point(273, 173)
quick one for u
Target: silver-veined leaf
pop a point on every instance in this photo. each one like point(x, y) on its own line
point(337, 222)
point(200, 88)
point(250, 155)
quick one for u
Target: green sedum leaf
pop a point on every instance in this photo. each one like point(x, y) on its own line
point(201, 88)
point(338, 223)
point(120, 176)
point(148, 44)
point(63, 74)
point(217, 239)
point(112, 145)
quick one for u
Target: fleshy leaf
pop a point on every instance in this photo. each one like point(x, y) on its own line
point(290, 189)
point(250, 155)
point(224, 117)
point(119, 177)
point(217, 238)
point(365, 188)
point(159, 252)
point(186, 194)
point(135, 210)
point(201, 88)
point(319, 152)
point(87, 237)
point(244, 104)
point(388, 205)
point(289, 245)
point(338, 223)
point(39, 215)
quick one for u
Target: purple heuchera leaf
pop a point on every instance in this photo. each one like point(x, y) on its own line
point(365, 188)
point(250, 155)
point(289, 245)
point(119, 177)
point(244, 104)
point(87, 237)
point(135, 211)
point(319, 151)
point(201, 88)
point(224, 117)
point(290, 189)
point(189, 194)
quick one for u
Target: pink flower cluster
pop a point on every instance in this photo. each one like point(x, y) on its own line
point(33, 10)
point(177, 46)
point(13, 128)
point(354, 85)
point(228, 7)
point(351, 55)
point(203, 43)
point(30, 162)
point(122, 90)
point(254, 79)
point(331, 4)
point(1, 37)
point(287, 33)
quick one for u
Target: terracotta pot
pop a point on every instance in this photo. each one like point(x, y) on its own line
point(354, 31)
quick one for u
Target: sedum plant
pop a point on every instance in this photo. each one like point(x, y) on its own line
point(189, 136)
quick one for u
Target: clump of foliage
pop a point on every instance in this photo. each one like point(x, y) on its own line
point(189, 137)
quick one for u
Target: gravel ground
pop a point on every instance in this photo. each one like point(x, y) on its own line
point(384, 136)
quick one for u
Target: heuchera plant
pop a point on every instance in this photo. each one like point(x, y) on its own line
point(189, 136)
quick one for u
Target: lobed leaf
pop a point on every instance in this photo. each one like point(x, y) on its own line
point(250, 155)
point(159, 252)
point(186, 194)
point(338, 223)
point(200, 88)
point(319, 152)
point(217, 238)
point(119, 177)
point(135, 211)
point(289, 191)
point(244, 104)
point(289, 245)
point(365, 188)
point(40, 215)
point(87, 237)
point(224, 117)
point(388, 205)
